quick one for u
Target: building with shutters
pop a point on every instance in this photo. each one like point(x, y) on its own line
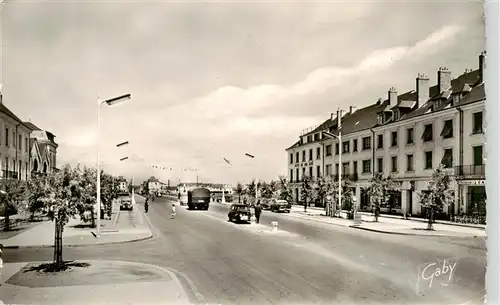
point(406, 135)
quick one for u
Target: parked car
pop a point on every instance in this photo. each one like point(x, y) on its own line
point(239, 212)
point(279, 205)
point(265, 204)
point(126, 204)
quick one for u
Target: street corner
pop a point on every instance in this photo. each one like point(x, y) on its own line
point(93, 281)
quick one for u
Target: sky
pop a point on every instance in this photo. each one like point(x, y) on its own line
point(216, 80)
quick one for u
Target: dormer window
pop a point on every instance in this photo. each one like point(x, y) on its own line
point(396, 114)
point(388, 115)
point(380, 119)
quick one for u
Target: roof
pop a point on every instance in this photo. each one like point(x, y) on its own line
point(7, 111)
point(43, 150)
point(31, 126)
point(153, 179)
point(468, 86)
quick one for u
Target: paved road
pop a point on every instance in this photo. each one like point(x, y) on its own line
point(307, 262)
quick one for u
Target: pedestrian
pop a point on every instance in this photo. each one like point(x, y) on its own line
point(146, 205)
point(173, 210)
point(258, 210)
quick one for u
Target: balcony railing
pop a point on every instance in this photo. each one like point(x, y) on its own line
point(470, 171)
point(9, 174)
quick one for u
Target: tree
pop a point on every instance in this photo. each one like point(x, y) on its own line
point(331, 189)
point(12, 199)
point(239, 191)
point(63, 191)
point(380, 191)
point(323, 187)
point(250, 190)
point(285, 193)
point(109, 191)
point(306, 191)
point(87, 183)
point(439, 193)
point(268, 190)
point(35, 190)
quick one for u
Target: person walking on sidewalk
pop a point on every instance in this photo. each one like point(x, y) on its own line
point(257, 210)
point(146, 205)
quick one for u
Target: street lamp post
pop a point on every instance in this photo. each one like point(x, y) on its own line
point(256, 179)
point(339, 137)
point(109, 102)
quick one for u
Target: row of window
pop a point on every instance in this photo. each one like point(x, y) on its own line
point(22, 171)
point(17, 141)
point(427, 136)
point(366, 168)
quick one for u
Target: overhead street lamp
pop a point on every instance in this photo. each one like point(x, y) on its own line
point(339, 137)
point(109, 102)
point(122, 144)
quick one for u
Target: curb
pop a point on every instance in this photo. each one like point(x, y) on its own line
point(317, 220)
point(410, 234)
point(175, 275)
point(480, 227)
point(84, 245)
point(381, 231)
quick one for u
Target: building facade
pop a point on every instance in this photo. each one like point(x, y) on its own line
point(14, 145)
point(406, 136)
point(43, 150)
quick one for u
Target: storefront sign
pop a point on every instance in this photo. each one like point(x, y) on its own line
point(472, 182)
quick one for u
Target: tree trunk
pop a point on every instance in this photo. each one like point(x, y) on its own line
point(376, 213)
point(430, 226)
point(92, 218)
point(58, 243)
point(7, 221)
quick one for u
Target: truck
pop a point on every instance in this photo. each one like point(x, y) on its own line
point(198, 198)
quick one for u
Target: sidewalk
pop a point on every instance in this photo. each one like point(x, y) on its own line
point(96, 282)
point(389, 225)
point(124, 226)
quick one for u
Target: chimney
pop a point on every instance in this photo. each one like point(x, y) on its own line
point(331, 116)
point(352, 109)
point(1, 95)
point(444, 79)
point(422, 89)
point(393, 96)
point(482, 66)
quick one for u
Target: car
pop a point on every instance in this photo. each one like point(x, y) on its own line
point(239, 212)
point(126, 204)
point(279, 205)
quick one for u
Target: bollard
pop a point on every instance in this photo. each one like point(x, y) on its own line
point(275, 226)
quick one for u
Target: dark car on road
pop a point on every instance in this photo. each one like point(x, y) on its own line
point(198, 198)
point(278, 205)
point(126, 203)
point(239, 212)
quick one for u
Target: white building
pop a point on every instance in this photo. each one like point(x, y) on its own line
point(154, 185)
point(406, 135)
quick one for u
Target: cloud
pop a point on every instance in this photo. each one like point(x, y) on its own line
point(208, 81)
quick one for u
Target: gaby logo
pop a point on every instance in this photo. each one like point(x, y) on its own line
point(434, 271)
